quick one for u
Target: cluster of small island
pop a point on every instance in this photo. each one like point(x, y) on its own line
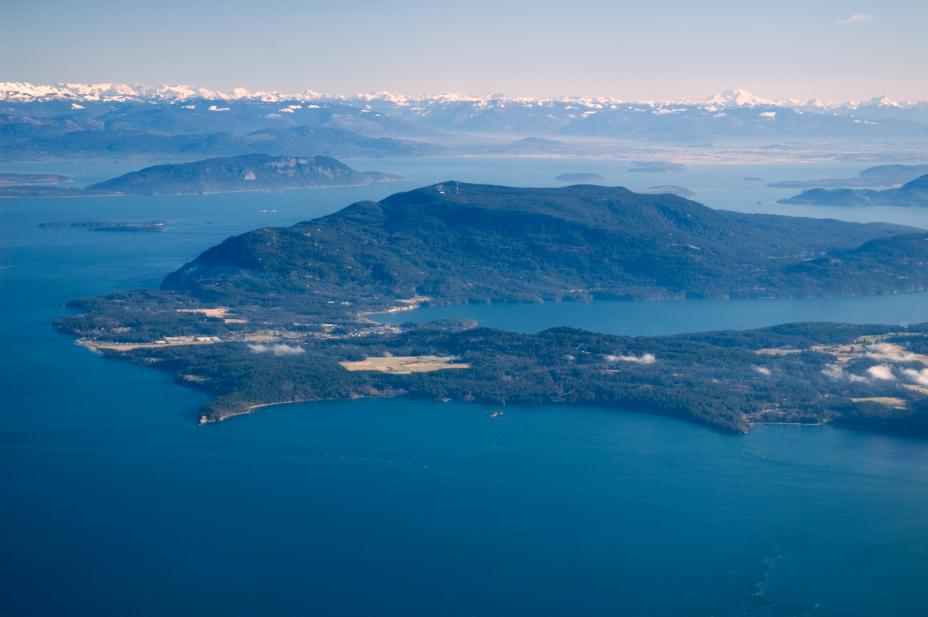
point(279, 315)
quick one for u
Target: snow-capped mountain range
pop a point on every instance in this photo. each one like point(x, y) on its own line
point(116, 92)
point(183, 121)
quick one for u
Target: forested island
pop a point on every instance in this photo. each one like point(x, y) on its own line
point(251, 172)
point(288, 314)
point(17, 179)
point(911, 194)
point(119, 226)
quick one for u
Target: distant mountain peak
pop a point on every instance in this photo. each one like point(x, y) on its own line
point(739, 98)
point(883, 101)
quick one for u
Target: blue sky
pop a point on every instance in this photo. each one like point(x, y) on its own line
point(831, 49)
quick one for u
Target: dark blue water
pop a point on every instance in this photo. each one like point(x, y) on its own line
point(115, 503)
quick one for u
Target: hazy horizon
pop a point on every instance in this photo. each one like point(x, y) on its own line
point(669, 50)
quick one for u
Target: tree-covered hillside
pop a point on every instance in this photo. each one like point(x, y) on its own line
point(239, 173)
point(457, 242)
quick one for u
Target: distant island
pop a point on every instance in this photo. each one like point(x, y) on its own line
point(533, 145)
point(673, 189)
point(251, 172)
point(753, 179)
point(109, 225)
point(656, 166)
point(16, 179)
point(585, 178)
point(279, 315)
point(881, 175)
point(911, 194)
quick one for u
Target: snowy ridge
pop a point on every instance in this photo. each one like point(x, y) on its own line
point(106, 92)
point(116, 92)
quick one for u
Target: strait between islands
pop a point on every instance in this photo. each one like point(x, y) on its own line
point(280, 315)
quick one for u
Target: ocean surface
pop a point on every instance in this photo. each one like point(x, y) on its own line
point(114, 502)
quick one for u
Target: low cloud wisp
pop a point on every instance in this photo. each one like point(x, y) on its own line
point(856, 19)
point(278, 349)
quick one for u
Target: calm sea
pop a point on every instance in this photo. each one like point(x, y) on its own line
point(115, 503)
